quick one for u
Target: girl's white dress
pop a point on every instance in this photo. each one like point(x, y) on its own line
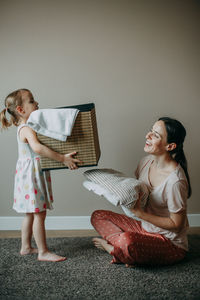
point(32, 190)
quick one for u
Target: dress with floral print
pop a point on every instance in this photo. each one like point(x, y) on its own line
point(32, 189)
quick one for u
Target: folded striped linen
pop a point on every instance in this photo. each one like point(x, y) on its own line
point(116, 187)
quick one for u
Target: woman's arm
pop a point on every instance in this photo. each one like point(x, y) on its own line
point(174, 222)
point(29, 136)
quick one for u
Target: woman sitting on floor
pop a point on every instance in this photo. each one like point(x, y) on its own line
point(160, 237)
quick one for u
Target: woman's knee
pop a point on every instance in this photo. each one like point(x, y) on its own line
point(97, 214)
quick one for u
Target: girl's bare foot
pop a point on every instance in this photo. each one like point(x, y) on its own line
point(102, 244)
point(28, 251)
point(48, 256)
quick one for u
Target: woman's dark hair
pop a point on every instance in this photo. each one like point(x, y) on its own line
point(176, 134)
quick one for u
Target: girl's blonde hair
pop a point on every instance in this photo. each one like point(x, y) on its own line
point(13, 100)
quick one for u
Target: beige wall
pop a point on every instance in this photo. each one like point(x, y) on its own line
point(136, 60)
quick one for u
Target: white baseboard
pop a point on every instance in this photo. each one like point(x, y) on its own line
point(70, 222)
point(51, 223)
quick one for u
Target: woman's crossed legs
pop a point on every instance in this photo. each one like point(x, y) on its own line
point(129, 243)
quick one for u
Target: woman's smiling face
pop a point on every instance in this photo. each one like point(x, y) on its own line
point(156, 139)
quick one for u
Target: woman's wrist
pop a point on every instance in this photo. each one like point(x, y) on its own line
point(140, 214)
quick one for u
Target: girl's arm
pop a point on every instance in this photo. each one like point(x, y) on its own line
point(174, 222)
point(27, 135)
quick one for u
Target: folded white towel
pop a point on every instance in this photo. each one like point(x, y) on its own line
point(54, 123)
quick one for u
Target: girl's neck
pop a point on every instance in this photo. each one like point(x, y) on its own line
point(23, 121)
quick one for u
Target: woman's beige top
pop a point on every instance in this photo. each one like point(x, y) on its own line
point(170, 196)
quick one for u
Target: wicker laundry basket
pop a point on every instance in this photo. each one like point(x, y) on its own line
point(84, 139)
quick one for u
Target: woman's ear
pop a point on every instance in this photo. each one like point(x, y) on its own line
point(171, 146)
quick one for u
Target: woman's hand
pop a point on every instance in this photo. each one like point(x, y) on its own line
point(137, 209)
point(174, 222)
point(70, 161)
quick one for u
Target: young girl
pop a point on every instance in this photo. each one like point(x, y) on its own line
point(32, 192)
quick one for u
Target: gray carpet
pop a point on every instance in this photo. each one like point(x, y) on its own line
point(87, 274)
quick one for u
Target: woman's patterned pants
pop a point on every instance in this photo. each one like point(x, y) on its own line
point(132, 244)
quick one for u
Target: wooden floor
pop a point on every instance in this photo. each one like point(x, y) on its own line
point(70, 233)
point(51, 233)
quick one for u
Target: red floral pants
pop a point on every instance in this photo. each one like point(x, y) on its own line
point(132, 244)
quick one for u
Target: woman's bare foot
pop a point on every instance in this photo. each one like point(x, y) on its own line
point(48, 256)
point(129, 266)
point(28, 251)
point(102, 244)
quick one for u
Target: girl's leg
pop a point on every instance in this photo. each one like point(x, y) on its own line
point(40, 238)
point(26, 235)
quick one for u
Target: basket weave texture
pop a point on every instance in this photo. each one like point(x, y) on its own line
point(84, 139)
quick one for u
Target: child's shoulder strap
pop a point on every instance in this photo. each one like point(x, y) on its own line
point(20, 127)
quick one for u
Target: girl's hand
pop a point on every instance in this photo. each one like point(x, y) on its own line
point(70, 161)
point(28, 135)
point(137, 209)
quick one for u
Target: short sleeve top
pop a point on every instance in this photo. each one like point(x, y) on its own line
point(170, 196)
